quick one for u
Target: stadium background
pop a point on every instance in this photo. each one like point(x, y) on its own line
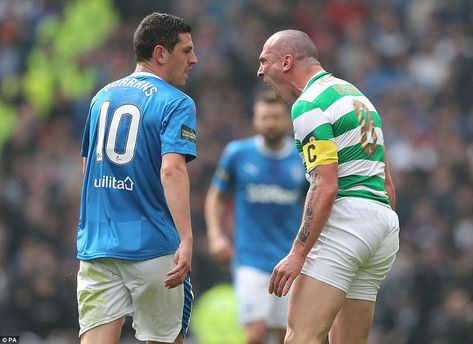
point(414, 59)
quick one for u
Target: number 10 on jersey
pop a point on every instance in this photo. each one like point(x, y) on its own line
point(110, 149)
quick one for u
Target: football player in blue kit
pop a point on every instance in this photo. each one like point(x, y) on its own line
point(266, 179)
point(134, 235)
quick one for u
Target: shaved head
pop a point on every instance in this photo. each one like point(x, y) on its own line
point(294, 42)
point(287, 62)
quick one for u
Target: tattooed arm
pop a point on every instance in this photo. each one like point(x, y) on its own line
point(318, 205)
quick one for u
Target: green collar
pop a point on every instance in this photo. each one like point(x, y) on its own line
point(317, 76)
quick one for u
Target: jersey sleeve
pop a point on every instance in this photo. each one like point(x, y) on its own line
point(178, 133)
point(314, 135)
point(223, 178)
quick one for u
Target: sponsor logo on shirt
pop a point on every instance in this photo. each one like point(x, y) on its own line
point(251, 169)
point(109, 182)
point(187, 133)
point(270, 193)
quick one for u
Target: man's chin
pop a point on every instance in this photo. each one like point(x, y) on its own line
point(280, 96)
point(274, 139)
point(179, 83)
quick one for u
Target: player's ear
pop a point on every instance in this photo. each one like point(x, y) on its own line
point(288, 62)
point(159, 54)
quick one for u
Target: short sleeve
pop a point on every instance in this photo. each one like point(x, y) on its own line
point(178, 133)
point(314, 135)
point(223, 178)
point(311, 122)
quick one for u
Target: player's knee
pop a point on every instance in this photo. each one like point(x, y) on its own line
point(348, 338)
point(343, 333)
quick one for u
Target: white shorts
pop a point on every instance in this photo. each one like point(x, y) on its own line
point(356, 248)
point(255, 302)
point(108, 289)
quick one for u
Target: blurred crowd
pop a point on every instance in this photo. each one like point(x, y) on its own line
point(412, 58)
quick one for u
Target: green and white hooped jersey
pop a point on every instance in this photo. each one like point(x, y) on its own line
point(334, 122)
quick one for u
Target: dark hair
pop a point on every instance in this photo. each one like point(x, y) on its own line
point(268, 97)
point(158, 29)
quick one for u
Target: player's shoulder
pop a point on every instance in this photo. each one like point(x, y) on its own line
point(322, 92)
point(172, 93)
point(321, 83)
point(149, 84)
point(173, 98)
point(240, 145)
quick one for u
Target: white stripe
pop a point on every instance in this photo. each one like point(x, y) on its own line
point(361, 187)
point(361, 168)
point(307, 122)
point(344, 105)
point(353, 137)
point(319, 86)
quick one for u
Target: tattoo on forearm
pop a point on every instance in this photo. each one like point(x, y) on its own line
point(308, 216)
point(303, 234)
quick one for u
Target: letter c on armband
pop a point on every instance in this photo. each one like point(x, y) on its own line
point(319, 152)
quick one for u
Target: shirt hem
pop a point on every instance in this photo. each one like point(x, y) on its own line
point(124, 257)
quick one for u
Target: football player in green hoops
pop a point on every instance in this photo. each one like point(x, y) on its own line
point(349, 235)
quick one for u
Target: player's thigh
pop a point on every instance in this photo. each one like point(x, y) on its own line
point(104, 334)
point(101, 295)
point(353, 322)
point(253, 299)
point(160, 314)
point(313, 306)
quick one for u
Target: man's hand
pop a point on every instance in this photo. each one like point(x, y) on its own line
point(221, 248)
point(285, 273)
point(183, 261)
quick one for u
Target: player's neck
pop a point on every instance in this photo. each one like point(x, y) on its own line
point(150, 68)
point(274, 145)
point(308, 74)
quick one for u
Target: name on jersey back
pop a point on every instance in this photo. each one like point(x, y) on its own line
point(148, 88)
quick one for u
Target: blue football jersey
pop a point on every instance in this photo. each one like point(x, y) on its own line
point(269, 189)
point(132, 122)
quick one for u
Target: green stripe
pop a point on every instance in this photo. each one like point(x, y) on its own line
point(301, 107)
point(324, 100)
point(298, 146)
point(355, 152)
point(332, 94)
point(322, 132)
point(363, 194)
point(350, 121)
point(373, 182)
point(299, 150)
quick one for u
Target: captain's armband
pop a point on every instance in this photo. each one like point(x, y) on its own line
point(319, 152)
